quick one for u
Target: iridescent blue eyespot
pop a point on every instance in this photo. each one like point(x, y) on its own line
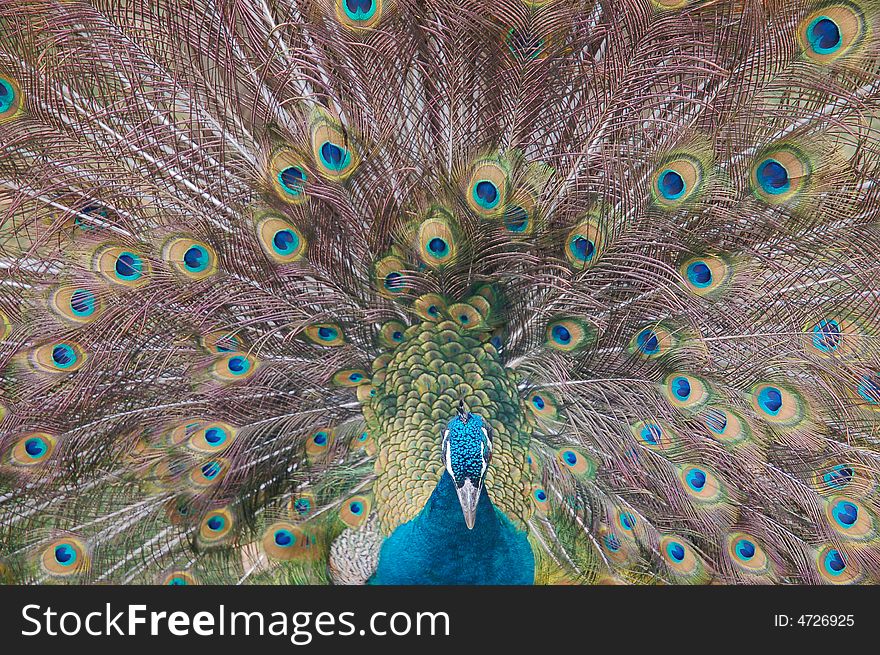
point(770, 400)
point(356, 508)
point(334, 157)
point(285, 242)
point(648, 342)
point(177, 582)
point(215, 436)
point(540, 495)
point(129, 266)
point(824, 35)
point(581, 248)
point(35, 447)
point(869, 388)
point(675, 551)
point(651, 434)
point(394, 281)
point(82, 303)
point(238, 365)
point(835, 564)
point(827, 335)
point(486, 194)
point(516, 219)
point(63, 356)
point(839, 476)
point(745, 549)
point(211, 470)
point(627, 521)
point(292, 180)
point(538, 402)
point(570, 457)
point(196, 259)
point(681, 387)
point(359, 10)
point(320, 438)
point(302, 506)
point(438, 247)
point(699, 274)
point(216, 523)
point(696, 479)
point(284, 538)
point(845, 513)
point(671, 185)
point(327, 333)
point(561, 335)
point(65, 554)
point(7, 95)
point(716, 421)
point(612, 543)
point(773, 177)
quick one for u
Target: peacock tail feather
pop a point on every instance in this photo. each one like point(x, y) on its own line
point(279, 276)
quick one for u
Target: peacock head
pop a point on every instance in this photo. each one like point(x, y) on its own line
point(467, 449)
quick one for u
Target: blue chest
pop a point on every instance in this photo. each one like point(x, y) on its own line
point(436, 547)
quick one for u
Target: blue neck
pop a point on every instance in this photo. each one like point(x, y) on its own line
point(437, 548)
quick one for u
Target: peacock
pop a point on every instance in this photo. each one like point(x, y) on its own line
point(453, 292)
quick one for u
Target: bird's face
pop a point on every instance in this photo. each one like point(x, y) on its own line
point(467, 449)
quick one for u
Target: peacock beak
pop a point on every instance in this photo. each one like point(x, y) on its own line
point(469, 496)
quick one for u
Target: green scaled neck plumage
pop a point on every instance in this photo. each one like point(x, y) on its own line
point(436, 547)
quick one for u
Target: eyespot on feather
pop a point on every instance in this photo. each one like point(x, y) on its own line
point(76, 304)
point(32, 450)
point(437, 238)
point(653, 341)
point(217, 526)
point(355, 511)
point(332, 151)
point(746, 553)
point(221, 343)
point(778, 404)
point(192, 259)
point(285, 541)
point(11, 99)
point(576, 462)
point(282, 242)
point(487, 187)
point(466, 316)
point(687, 392)
point(350, 377)
point(65, 557)
point(234, 367)
point(779, 174)
point(359, 15)
point(288, 176)
point(584, 244)
point(569, 334)
point(431, 307)
point(655, 435)
point(836, 566)
point(392, 277)
point(392, 334)
point(680, 557)
point(832, 31)
point(121, 266)
point(676, 181)
point(325, 334)
point(851, 518)
point(179, 578)
point(319, 442)
point(209, 473)
point(725, 426)
point(707, 276)
point(214, 437)
point(62, 357)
